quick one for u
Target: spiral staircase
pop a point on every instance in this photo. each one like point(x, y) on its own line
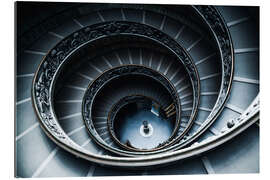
point(120, 89)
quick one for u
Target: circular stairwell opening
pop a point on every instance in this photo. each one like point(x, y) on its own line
point(142, 123)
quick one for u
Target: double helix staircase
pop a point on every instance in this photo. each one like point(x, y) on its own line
point(75, 62)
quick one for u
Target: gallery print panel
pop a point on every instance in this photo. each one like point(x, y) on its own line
point(107, 89)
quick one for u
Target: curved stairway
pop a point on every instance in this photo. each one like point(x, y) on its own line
point(38, 156)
